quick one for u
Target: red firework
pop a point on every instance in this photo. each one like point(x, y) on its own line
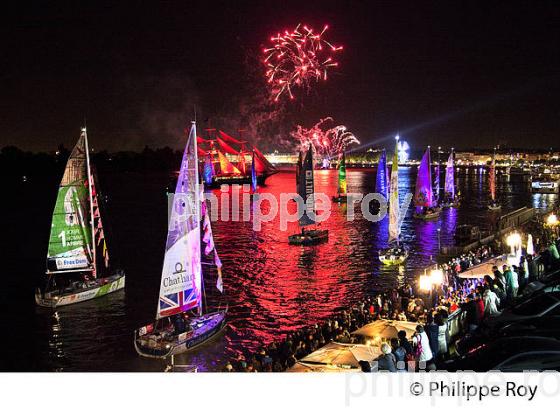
point(297, 58)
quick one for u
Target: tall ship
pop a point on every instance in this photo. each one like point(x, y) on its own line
point(227, 160)
point(78, 264)
point(181, 321)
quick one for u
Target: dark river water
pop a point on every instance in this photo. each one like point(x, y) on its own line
point(271, 288)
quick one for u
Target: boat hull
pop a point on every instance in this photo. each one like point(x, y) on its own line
point(218, 181)
point(205, 328)
point(106, 285)
point(494, 207)
point(544, 190)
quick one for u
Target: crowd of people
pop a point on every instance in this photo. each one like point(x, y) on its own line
point(478, 298)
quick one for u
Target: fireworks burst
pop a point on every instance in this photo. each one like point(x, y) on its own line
point(328, 142)
point(297, 58)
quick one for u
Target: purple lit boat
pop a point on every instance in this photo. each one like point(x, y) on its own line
point(426, 208)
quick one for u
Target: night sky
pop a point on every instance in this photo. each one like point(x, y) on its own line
point(459, 74)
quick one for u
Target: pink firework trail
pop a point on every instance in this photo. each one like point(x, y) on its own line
point(328, 142)
point(297, 58)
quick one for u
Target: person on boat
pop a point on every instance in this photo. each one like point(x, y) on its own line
point(179, 324)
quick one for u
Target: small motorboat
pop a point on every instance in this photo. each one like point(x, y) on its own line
point(455, 203)
point(393, 256)
point(428, 214)
point(494, 206)
point(309, 237)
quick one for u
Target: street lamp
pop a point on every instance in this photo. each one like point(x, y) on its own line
point(425, 283)
point(552, 223)
point(436, 277)
point(513, 240)
point(530, 247)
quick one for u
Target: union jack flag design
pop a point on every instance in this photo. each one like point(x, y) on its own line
point(177, 302)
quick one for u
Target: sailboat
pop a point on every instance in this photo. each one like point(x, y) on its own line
point(450, 199)
point(180, 323)
point(396, 254)
point(342, 188)
point(78, 267)
point(426, 208)
point(494, 205)
point(306, 190)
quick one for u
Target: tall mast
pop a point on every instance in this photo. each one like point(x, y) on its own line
point(90, 191)
point(197, 207)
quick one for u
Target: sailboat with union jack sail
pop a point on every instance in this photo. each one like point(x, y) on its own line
point(181, 323)
point(78, 264)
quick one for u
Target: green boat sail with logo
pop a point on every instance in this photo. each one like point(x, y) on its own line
point(78, 264)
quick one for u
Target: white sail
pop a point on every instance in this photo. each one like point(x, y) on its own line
point(181, 279)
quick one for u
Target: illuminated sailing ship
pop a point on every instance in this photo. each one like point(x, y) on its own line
point(219, 170)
